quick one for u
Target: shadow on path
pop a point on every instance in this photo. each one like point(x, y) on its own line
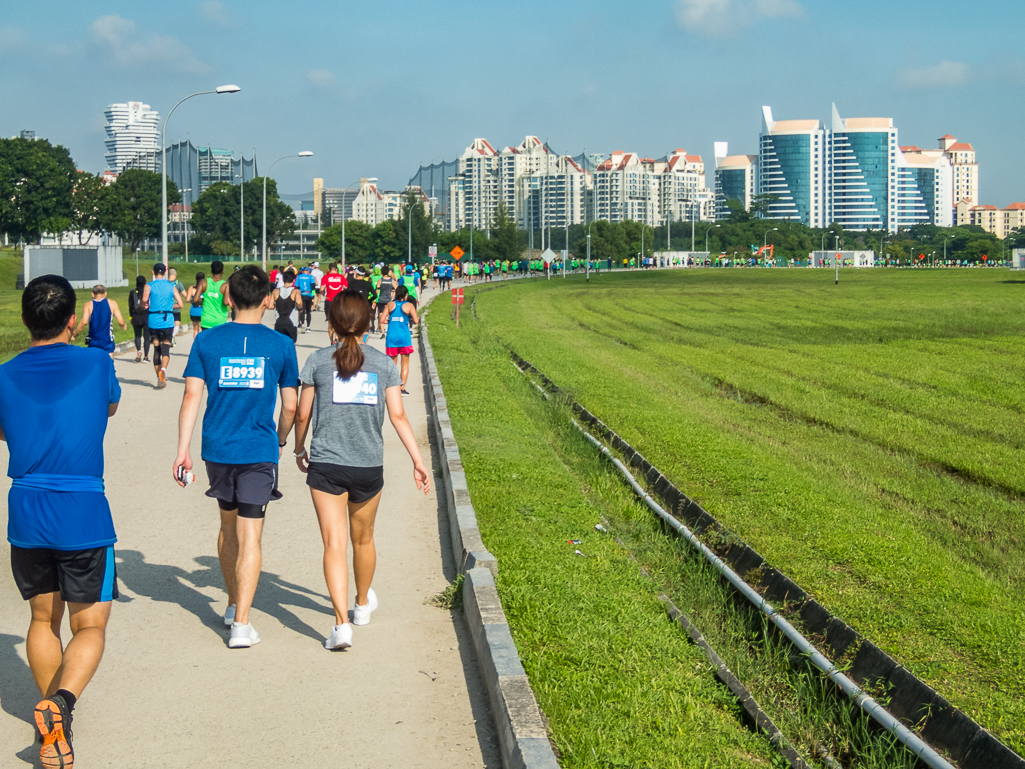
point(172, 584)
point(18, 693)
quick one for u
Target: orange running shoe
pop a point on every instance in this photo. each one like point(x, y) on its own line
point(161, 380)
point(53, 720)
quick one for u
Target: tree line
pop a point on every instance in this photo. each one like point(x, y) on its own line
point(41, 192)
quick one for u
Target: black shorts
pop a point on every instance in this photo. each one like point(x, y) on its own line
point(288, 329)
point(161, 335)
point(360, 483)
point(80, 576)
point(246, 488)
point(382, 307)
point(177, 316)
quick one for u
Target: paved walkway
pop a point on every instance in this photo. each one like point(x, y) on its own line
point(170, 693)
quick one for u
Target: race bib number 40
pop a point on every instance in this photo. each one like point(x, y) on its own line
point(241, 373)
point(360, 390)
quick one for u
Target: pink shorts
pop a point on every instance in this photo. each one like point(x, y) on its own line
point(392, 352)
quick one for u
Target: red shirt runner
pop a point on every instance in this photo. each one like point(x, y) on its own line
point(332, 283)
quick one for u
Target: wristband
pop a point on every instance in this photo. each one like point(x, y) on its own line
point(282, 445)
point(300, 454)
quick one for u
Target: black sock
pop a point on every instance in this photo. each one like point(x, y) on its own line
point(69, 698)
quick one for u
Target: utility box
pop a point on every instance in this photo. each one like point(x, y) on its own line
point(83, 266)
point(847, 258)
point(1018, 259)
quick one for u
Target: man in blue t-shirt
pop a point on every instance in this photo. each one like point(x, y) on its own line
point(307, 286)
point(55, 400)
point(243, 366)
point(161, 298)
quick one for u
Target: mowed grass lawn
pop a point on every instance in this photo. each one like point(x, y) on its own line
point(867, 438)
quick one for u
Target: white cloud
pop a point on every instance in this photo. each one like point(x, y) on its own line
point(124, 47)
point(722, 18)
point(215, 12)
point(321, 77)
point(11, 39)
point(942, 75)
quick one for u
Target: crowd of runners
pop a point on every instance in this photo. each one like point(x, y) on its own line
point(56, 399)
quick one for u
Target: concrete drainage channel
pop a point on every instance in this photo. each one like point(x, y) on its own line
point(943, 727)
point(522, 736)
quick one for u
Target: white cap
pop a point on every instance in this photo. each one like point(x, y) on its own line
point(316, 264)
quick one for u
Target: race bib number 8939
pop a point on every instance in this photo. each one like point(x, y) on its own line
point(239, 373)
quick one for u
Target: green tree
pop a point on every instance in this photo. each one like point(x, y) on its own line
point(93, 205)
point(215, 215)
point(38, 180)
point(420, 230)
point(136, 205)
point(385, 245)
point(505, 235)
point(357, 242)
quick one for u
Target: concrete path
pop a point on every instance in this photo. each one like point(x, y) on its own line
point(170, 692)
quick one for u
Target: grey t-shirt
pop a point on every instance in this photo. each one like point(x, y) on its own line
point(349, 433)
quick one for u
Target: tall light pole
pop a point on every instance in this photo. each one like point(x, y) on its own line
point(836, 259)
point(706, 235)
point(163, 163)
point(185, 227)
point(263, 250)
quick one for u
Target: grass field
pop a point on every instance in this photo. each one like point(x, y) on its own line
point(619, 685)
point(866, 438)
point(13, 336)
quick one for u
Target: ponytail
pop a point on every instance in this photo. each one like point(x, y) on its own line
point(349, 317)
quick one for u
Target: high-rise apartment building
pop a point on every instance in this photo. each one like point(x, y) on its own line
point(132, 130)
point(627, 186)
point(736, 177)
point(792, 167)
point(966, 170)
point(194, 169)
point(854, 174)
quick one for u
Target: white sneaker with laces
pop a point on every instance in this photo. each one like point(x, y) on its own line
point(340, 638)
point(229, 615)
point(243, 636)
point(361, 614)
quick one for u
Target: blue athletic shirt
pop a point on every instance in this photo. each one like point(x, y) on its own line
point(305, 283)
point(161, 304)
point(399, 334)
point(239, 425)
point(101, 326)
point(53, 410)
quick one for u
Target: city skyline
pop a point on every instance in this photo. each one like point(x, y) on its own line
point(688, 73)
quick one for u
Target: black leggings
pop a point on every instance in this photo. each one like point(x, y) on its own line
point(142, 338)
point(306, 313)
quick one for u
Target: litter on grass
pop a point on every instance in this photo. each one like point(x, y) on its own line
point(576, 541)
point(580, 554)
point(599, 527)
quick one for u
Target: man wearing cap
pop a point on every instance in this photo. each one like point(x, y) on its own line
point(161, 298)
point(307, 290)
point(318, 276)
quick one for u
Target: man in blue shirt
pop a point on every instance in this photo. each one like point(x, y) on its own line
point(161, 298)
point(54, 404)
point(307, 288)
point(243, 366)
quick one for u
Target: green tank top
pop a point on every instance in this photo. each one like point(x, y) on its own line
point(410, 283)
point(215, 312)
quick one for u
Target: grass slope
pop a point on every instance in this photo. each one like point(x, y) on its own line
point(619, 684)
point(866, 438)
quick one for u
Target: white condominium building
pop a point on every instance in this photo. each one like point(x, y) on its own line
point(372, 206)
point(132, 130)
point(966, 170)
point(627, 186)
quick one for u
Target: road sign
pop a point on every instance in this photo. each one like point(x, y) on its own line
point(457, 253)
point(457, 296)
point(433, 251)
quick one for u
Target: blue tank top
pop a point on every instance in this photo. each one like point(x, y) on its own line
point(305, 283)
point(161, 303)
point(399, 334)
point(101, 326)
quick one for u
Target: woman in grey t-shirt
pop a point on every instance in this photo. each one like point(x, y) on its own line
point(346, 390)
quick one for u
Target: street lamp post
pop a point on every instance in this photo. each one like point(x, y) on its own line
point(185, 222)
point(263, 250)
point(836, 259)
point(706, 235)
point(163, 163)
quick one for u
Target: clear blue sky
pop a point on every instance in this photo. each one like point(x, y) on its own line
point(374, 89)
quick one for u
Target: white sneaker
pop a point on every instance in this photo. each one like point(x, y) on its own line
point(243, 636)
point(229, 615)
point(340, 638)
point(361, 614)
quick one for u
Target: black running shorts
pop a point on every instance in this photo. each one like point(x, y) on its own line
point(246, 488)
point(360, 483)
point(80, 576)
point(161, 335)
